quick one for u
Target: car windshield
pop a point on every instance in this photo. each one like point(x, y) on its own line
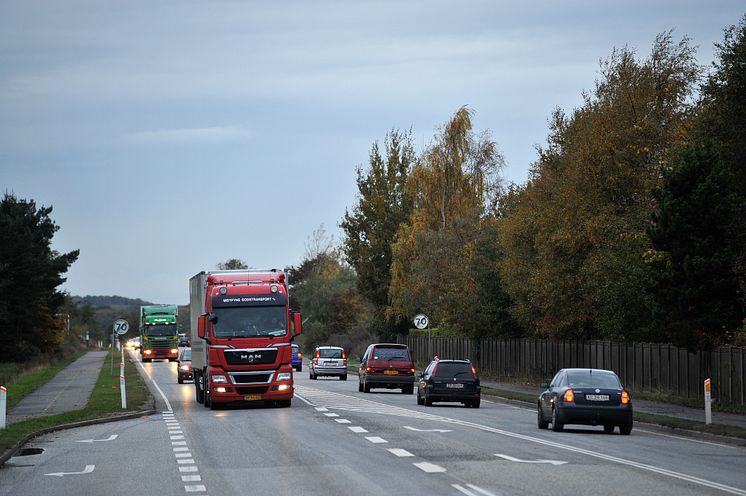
point(453, 369)
point(330, 353)
point(187, 355)
point(160, 330)
point(585, 378)
point(391, 354)
point(240, 322)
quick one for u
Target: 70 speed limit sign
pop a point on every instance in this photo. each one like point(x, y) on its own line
point(121, 327)
point(421, 321)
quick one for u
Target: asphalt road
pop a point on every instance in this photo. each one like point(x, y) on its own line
point(334, 440)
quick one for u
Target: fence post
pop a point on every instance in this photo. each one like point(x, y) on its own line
point(3, 405)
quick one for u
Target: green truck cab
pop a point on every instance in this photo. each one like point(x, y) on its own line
point(159, 332)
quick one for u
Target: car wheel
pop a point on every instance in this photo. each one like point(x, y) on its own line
point(557, 426)
point(475, 403)
point(428, 401)
point(625, 429)
point(420, 401)
point(608, 428)
point(359, 386)
point(343, 377)
point(543, 424)
point(366, 387)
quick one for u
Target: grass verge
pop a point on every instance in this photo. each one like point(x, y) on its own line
point(105, 401)
point(24, 384)
point(672, 422)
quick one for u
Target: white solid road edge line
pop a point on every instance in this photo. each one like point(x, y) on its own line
point(168, 403)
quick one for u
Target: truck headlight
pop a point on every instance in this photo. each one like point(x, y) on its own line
point(219, 379)
point(284, 376)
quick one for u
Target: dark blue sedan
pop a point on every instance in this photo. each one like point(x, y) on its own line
point(588, 397)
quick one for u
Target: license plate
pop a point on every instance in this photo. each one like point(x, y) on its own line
point(333, 364)
point(455, 385)
point(252, 397)
point(391, 372)
point(597, 397)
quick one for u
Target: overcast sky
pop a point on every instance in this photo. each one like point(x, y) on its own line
point(173, 135)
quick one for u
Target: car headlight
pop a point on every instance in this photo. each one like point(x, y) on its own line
point(220, 379)
point(183, 367)
point(284, 376)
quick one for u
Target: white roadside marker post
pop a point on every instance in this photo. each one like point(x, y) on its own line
point(708, 402)
point(3, 404)
point(122, 387)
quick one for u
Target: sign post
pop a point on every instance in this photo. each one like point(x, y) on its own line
point(708, 402)
point(121, 327)
point(3, 405)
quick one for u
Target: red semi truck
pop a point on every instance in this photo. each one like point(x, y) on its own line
point(243, 326)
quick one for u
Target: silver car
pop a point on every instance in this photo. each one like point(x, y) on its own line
point(329, 361)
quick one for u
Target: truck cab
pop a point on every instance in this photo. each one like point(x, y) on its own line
point(242, 351)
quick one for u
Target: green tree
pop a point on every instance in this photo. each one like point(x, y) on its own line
point(382, 206)
point(699, 231)
point(30, 272)
point(232, 264)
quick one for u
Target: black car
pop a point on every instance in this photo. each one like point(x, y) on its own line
point(449, 380)
point(588, 397)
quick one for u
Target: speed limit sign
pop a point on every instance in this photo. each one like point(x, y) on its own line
point(121, 327)
point(421, 321)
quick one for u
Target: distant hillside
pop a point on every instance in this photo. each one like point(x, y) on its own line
point(103, 301)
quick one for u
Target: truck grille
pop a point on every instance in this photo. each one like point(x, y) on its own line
point(250, 357)
point(162, 344)
point(251, 378)
point(252, 390)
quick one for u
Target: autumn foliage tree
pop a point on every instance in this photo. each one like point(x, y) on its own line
point(454, 184)
point(574, 236)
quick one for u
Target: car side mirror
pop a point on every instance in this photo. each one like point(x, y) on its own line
point(544, 385)
point(419, 374)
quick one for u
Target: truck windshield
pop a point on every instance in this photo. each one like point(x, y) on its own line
point(160, 330)
point(242, 322)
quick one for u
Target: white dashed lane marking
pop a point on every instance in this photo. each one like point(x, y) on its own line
point(429, 467)
point(400, 452)
point(376, 439)
point(356, 429)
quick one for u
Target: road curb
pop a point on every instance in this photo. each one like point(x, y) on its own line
point(645, 426)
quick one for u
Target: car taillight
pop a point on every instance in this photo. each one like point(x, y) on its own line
point(318, 354)
point(473, 370)
point(625, 397)
point(344, 356)
point(300, 355)
point(344, 363)
point(569, 396)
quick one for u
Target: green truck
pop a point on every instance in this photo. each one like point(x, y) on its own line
point(159, 332)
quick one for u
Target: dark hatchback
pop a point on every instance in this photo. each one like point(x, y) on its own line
point(185, 365)
point(449, 380)
point(587, 397)
point(386, 365)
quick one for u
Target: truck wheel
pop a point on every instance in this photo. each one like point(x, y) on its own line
point(199, 393)
point(359, 386)
point(366, 388)
point(208, 400)
point(180, 380)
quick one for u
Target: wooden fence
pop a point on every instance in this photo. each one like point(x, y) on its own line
point(641, 366)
